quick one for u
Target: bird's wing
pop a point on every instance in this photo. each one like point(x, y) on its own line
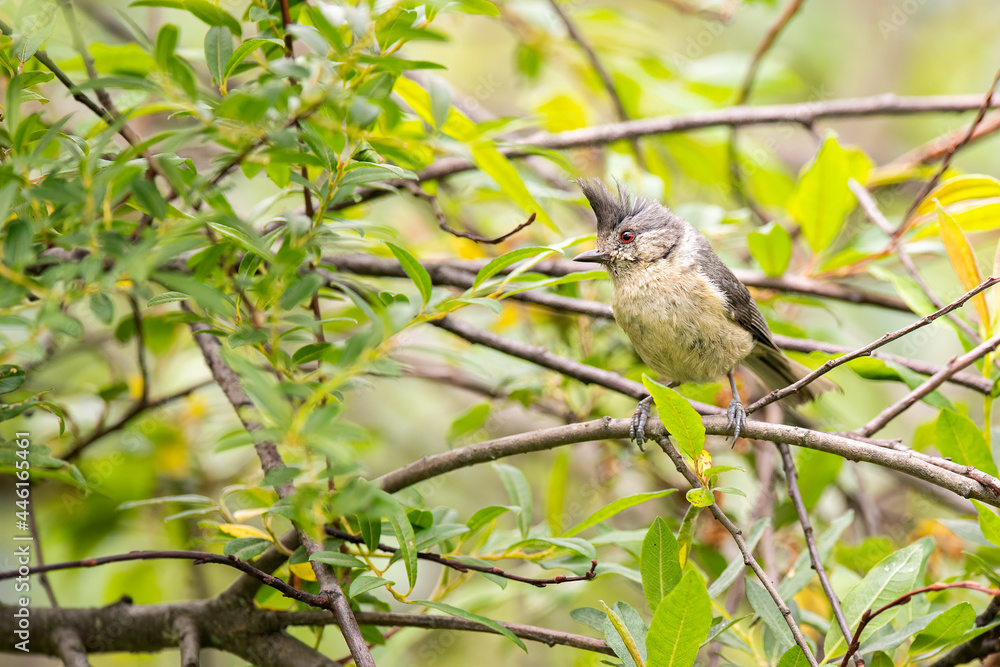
point(742, 308)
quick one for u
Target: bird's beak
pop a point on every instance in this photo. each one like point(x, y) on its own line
point(594, 255)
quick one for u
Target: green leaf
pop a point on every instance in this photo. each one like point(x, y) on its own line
point(469, 421)
point(793, 657)
point(771, 246)
point(888, 642)
point(681, 622)
point(989, 522)
point(246, 548)
point(485, 516)
point(817, 471)
point(102, 307)
point(166, 297)
point(183, 498)
point(822, 198)
point(765, 607)
point(735, 567)
point(958, 437)
point(802, 570)
point(620, 639)
point(505, 260)
point(614, 508)
point(365, 583)
point(218, 50)
point(406, 540)
point(414, 269)
point(946, 627)
point(892, 577)
point(659, 563)
point(202, 9)
point(590, 617)
point(475, 618)
point(493, 162)
point(337, 559)
point(682, 422)
point(520, 493)
point(241, 52)
point(555, 499)
point(303, 288)
point(11, 377)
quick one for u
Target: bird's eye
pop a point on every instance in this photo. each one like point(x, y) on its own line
point(627, 236)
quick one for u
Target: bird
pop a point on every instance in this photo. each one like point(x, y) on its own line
point(688, 316)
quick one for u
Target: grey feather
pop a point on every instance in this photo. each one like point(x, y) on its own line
point(742, 307)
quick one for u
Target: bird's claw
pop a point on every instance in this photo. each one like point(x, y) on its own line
point(637, 431)
point(737, 417)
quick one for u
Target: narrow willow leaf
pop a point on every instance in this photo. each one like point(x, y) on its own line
point(958, 437)
point(802, 572)
point(659, 563)
point(963, 260)
point(337, 559)
point(614, 508)
point(681, 622)
point(621, 641)
point(475, 618)
point(765, 607)
point(240, 54)
point(678, 417)
point(498, 264)
point(959, 189)
point(735, 567)
point(406, 540)
point(414, 269)
point(520, 493)
point(890, 578)
point(555, 503)
point(365, 583)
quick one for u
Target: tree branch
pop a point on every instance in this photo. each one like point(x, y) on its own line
point(792, 479)
point(944, 474)
point(270, 460)
point(778, 394)
point(469, 567)
point(682, 467)
point(188, 640)
point(929, 385)
point(802, 113)
point(977, 647)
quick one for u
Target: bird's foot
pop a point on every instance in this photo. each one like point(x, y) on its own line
point(637, 431)
point(737, 417)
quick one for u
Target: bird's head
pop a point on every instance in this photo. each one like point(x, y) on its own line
point(630, 230)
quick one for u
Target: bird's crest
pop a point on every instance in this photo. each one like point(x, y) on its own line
point(610, 209)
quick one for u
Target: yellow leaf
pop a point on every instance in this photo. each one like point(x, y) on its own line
point(303, 571)
point(240, 530)
point(493, 162)
point(243, 515)
point(960, 188)
point(457, 124)
point(962, 260)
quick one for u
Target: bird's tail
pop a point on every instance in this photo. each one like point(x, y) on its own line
point(776, 370)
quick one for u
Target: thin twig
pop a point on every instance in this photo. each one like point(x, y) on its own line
point(598, 67)
point(827, 366)
point(929, 385)
point(39, 558)
point(939, 147)
point(443, 220)
point(720, 516)
point(792, 479)
point(869, 615)
point(872, 211)
point(188, 641)
point(137, 409)
point(802, 113)
point(71, 649)
point(468, 567)
point(743, 95)
point(946, 162)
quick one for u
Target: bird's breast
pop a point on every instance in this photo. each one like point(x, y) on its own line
point(679, 323)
